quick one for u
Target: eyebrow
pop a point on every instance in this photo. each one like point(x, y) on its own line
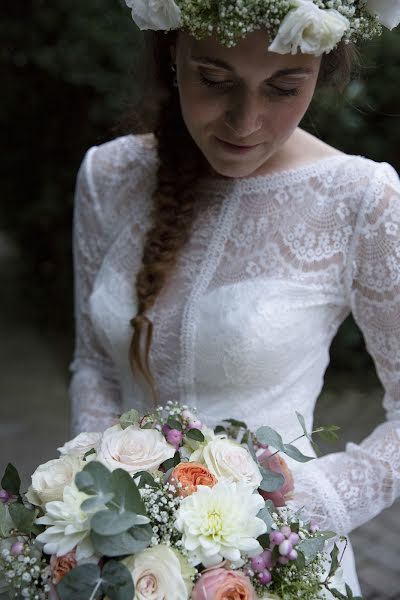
point(216, 62)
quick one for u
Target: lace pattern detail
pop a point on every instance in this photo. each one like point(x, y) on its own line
point(243, 327)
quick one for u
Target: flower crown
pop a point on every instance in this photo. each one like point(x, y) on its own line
point(309, 26)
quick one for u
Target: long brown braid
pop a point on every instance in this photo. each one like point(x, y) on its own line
point(180, 165)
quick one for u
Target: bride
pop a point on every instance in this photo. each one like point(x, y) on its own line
point(216, 256)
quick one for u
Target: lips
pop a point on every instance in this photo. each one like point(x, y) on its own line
point(238, 145)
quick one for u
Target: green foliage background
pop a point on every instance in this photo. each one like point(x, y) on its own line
point(69, 71)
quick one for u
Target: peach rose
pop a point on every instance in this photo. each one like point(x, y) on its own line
point(190, 475)
point(61, 565)
point(221, 584)
point(277, 464)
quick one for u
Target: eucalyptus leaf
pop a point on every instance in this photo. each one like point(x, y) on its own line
point(336, 594)
point(131, 541)
point(270, 437)
point(236, 423)
point(295, 453)
point(22, 517)
point(94, 501)
point(80, 583)
point(251, 448)
point(126, 493)
point(11, 481)
point(300, 561)
point(145, 479)
point(265, 515)
point(302, 422)
point(328, 435)
point(6, 522)
point(310, 547)
point(110, 522)
point(131, 417)
point(167, 475)
point(195, 434)
point(94, 478)
point(271, 481)
point(117, 582)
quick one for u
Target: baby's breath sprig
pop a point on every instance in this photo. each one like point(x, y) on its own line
point(161, 504)
point(24, 571)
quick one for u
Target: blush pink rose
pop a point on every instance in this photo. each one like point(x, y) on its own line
point(277, 464)
point(221, 584)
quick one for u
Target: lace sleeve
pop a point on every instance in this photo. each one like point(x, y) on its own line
point(344, 490)
point(94, 389)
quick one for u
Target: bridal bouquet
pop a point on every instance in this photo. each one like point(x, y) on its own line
point(163, 508)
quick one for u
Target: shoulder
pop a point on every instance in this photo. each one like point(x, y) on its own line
point(124, 157)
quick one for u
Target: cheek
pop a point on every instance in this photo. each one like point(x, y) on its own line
point(197, 109)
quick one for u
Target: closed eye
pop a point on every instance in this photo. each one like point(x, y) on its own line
point(227, 84)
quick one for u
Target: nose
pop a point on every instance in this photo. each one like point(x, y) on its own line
point(245, 116)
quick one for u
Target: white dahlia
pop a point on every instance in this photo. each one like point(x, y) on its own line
point(221, 523)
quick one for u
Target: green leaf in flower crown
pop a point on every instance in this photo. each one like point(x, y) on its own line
point(11, 481)
point(117, 582)
point(271, 481)
point(111, 522)
point(129, 542)
point(131, 417)
point(270, 437)
point(22, 517)
point(295, 453)
point(81, 583)
point(236, 423)
point(94, 478)
point(126, 493)
point(6, 522)
point(195, 434)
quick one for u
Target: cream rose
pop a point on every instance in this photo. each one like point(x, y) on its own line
point(225, 458)
point(155, 14)
point(82, 443)
point(160, 573)
point(310, 29)
point(133, 449)
point(50, 479)
point(387, 11)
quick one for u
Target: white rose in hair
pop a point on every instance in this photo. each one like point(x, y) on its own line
point(226, 458)
point(82, 443)
point(155, 14)
point(133, 449)
point(310, 29)
point(387, 11)
point(50, 479)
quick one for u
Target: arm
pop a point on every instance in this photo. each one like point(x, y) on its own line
point(94, 389)
point(342, 491)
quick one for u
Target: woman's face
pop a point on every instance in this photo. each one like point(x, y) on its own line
point(243, 95)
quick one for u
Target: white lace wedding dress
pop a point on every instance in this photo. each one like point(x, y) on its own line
point(243, 327)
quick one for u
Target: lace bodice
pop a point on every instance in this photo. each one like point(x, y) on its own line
point(243, 327)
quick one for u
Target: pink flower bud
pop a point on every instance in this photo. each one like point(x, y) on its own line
point(17, 548)
point(267, 557)
point(265, 577)
point(4, 496)
point(283, 560)
point(258, 563)
point(313, 527)
point(292, 554)
point(276, 537)
point(286, 531)
point(165, 429)
point(285, 547)
point(174, 437)
point(195, 425)
point(293, 538)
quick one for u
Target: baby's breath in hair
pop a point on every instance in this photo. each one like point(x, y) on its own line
point(232, 20)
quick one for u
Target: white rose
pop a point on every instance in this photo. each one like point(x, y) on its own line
point(133, 449)
point(160, 573)
point(82, 443)
point(155, 14)
point(50, 479)
point(310, 29)
point(225, 458)
point(387, 11)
